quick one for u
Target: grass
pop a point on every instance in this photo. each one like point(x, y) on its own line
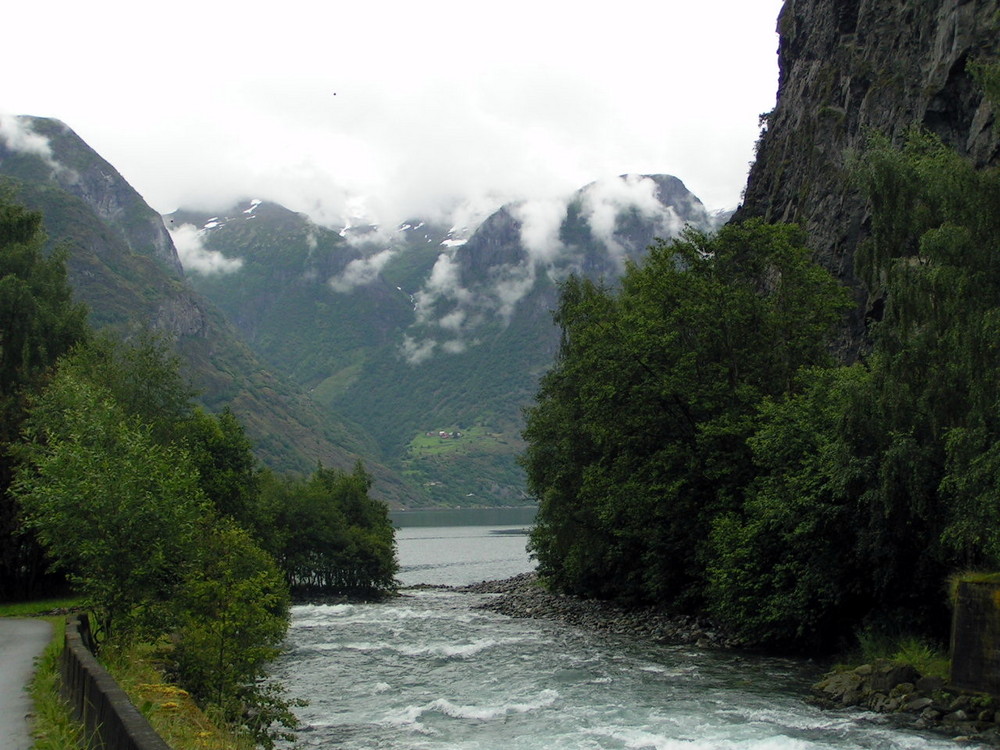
point(168, 708)
point(37, 608)
point(925, 657)
point(474, 439)
point(54, 727)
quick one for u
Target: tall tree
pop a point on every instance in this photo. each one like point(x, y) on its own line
point(116, 510)
point(234, 615)
point(327, 534)
point(638, 439)
point(935, 258)
point(878, 480)
point(38, 322)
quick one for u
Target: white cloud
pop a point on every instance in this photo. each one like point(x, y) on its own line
point(453, 321)
point(361, 271)
point(195, 257)
point(455, 346)
point(514, 282)
point(540, 221)
point(605, 200)
point(444, 283)
point(311, 242)
point(16, 132)
point(416, 352)
point(414, 110)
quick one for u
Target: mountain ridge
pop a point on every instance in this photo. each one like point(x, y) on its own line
point(420, 331)
point(123, 264)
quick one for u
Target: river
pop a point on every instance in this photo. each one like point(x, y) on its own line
point(429, 670)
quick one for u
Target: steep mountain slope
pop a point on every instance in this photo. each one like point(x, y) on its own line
point(418, 332)
point(280, 297)
point(848, 69)
point(123, 264)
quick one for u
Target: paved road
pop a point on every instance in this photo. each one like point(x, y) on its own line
point(21, 640)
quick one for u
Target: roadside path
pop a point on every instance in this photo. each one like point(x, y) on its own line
point(21, 640)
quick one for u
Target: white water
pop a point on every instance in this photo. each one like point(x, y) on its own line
point(428, 670)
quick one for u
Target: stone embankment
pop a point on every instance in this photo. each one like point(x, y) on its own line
point(920, 702)
point(522, 596)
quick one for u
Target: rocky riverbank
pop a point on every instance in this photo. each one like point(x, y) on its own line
point(522, 596)
point(913, 700)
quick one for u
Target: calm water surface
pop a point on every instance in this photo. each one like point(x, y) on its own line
point(429, 670)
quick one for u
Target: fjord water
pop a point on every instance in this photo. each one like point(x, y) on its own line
point(430, 670)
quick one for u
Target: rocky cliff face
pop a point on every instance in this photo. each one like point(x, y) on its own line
point(69, 162)
point(852, 67)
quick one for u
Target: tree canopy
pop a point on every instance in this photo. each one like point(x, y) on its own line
point(695, 445)
point(39, 322)
point(154, 510)
point(639, 436)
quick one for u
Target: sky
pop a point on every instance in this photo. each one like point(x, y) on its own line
point(383, 110)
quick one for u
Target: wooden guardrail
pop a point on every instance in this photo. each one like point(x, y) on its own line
point(110, 720)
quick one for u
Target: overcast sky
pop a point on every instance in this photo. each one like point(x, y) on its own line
point(405, 108)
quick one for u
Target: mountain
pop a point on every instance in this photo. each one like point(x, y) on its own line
point(414, 349)
point(124, 265)
point(428, 330)
point(850, 69)
point(280, 296)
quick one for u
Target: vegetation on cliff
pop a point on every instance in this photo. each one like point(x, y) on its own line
point(39, 322)
point(694, 446)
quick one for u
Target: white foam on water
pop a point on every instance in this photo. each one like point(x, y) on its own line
point(685, 671)
point(411, 715)
point(427, 671)
point(437, 650)
point(640, 738)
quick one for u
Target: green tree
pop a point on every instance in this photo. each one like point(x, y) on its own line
point(114, 509)
point(935, 363)
point(38, 323)
point(327, 534)
point(234, 614)
point(784, 569)
point(877, 481)
point(638, 437)
point(223, 455)
point(144, 377)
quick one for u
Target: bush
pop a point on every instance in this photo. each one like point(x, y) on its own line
point(234, 608)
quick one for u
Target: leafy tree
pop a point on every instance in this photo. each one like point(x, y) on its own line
point(115, 509)
point(638, 438)
point(878, 480)
point(38, 322)
point(783, 568)
point(327, 534)
point(234, 614)
point(228, 471)
point(143, 375)
point(935, 384)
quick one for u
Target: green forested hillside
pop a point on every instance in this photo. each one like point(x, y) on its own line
point(411, 331)
point(281, 300)
point(122, 264)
